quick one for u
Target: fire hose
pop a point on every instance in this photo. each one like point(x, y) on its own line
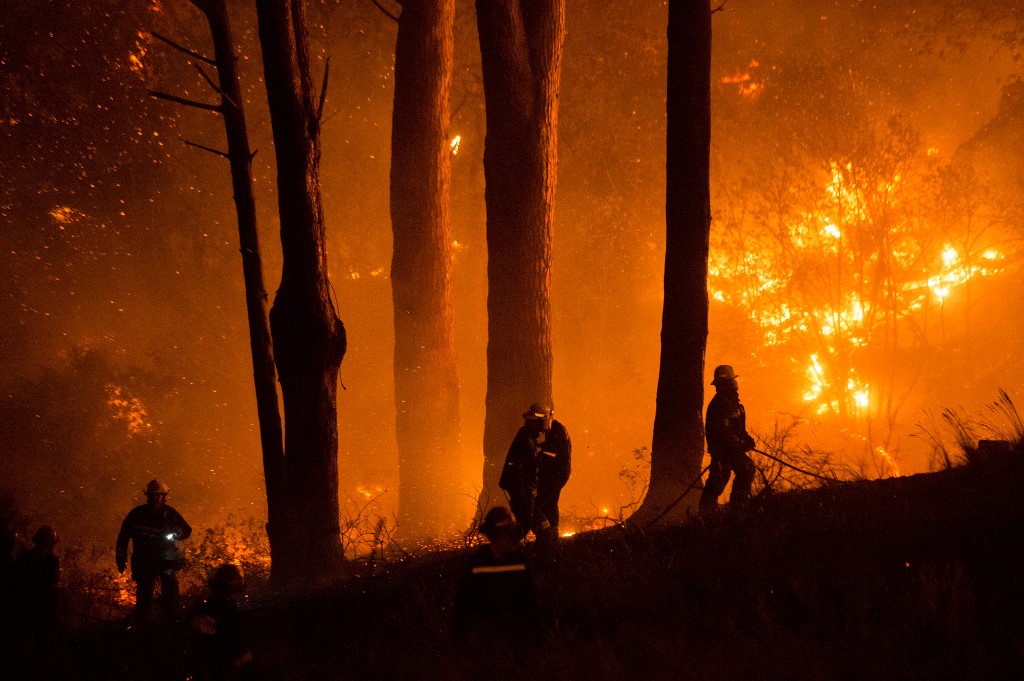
point(706, 468)
point(796, 468)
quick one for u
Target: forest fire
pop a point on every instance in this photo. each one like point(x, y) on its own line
point(854, 276)
point(744, 82)
point(852, 264)
point(303, 266)
point(128, 409)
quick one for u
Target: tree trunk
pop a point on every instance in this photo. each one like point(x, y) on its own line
point(426, 386)
point(677, 448)
point(309, 338)
point(264, 371)
point(521, 53)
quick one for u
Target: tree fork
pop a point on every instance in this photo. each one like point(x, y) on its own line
point(308, 337)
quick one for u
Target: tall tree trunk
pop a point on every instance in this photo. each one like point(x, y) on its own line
point(426, 386)
point(264, 370)
point(677, 448)
point(521, 53)
point(309, 338)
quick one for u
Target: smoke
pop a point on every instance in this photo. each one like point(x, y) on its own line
point(122, 268)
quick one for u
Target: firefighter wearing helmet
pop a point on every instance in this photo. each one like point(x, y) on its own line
point(728, 442)
point(154, 530)
point(536, 469)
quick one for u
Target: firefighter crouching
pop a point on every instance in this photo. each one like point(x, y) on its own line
point(495, 605)
point(536, 469)
point(154, 529)
point(728, 442)
point(219, 628)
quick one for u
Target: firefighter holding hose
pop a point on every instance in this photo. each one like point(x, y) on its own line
point(728, 443)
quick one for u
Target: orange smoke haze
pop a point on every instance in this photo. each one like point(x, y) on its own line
point(854, 283)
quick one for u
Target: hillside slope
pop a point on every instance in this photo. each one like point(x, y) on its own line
point(905, 578)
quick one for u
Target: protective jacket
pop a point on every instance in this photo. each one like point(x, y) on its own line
point(37, 574)
point(726, 425)
point(537, 466)
point(154, 533)
point(495, 598)
point(221, 637)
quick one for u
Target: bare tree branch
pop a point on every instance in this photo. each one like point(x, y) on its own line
point(186, 102)
point(215, 87)
point(388, 14)
point(323, 91)
point(212, 151)
point(191, 53)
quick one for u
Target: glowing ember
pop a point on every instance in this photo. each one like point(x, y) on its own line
point(135, 59)
point(65, 216)
point(369, 491)
point(745, 83)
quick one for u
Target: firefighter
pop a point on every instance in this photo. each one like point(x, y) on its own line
point(154, 528)
point(495, 602)
point(37, 581)
point(728, 442)
point(219, 627)
point(536, 469)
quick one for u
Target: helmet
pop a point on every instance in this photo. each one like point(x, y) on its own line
point(228, 578)
point(155, 487)
point(724, 372)
point(45, 537)
point(498, 520)
point(537, 411)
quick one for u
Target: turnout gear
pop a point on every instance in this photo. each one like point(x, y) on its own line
point(221, 633)
point(154, 530)
point(728, 442)
point(537, 467)
point(495, 601)
point(37, 586)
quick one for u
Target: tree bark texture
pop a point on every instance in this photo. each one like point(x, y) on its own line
point(426, 384)
point(309, 338)
point(521, 53)
point(264, 370)
point(677, 449)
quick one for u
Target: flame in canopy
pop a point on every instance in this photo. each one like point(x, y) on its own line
point(128, 409)
point(840, 279)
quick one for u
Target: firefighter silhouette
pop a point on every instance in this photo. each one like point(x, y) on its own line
point(536, 469)
point(728, 442)
point(154, 530)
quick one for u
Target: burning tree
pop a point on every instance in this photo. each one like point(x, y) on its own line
point(832, 246)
